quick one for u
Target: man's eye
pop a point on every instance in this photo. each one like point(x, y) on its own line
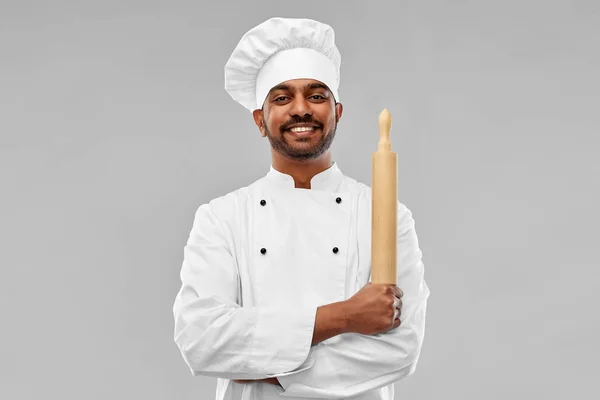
point(280, 98)
point(318, 96)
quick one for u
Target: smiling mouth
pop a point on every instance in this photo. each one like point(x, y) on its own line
point(302, 130)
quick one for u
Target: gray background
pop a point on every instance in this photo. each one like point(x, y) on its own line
point(115, 127)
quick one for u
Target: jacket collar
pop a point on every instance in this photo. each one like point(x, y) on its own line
point(328, 180)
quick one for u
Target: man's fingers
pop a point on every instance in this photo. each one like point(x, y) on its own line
point(397, 291)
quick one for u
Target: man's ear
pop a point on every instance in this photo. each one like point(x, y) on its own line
point(259, 120)
point(339, 109)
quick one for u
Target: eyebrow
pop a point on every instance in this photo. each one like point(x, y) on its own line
point(286, 87)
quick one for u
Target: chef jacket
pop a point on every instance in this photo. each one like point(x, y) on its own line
point(258, 263)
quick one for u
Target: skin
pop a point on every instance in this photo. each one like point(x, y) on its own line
point(292, 102)
point(299, 101)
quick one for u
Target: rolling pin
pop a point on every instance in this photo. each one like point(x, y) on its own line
point(384, 207)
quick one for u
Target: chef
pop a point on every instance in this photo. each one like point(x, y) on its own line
point(276, 299)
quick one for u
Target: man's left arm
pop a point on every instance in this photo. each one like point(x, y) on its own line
point(353, 363)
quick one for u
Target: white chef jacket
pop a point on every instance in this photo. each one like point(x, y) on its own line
point(260, 260)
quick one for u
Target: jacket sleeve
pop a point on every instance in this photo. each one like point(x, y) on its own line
point(217, 337)
point(350, 364)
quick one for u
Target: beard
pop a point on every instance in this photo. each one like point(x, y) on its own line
point(301, 149)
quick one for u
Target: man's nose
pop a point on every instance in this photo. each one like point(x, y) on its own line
point(300, 107)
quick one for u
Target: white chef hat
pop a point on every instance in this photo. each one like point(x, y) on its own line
point(278, 50)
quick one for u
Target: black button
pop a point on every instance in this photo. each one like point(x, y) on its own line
point(338, 200)
point(262, 202)
point(335, 250)
point(263, 250)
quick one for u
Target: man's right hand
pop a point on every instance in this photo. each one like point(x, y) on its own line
point(371, 310)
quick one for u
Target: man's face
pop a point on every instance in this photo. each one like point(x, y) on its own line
point(299, 118)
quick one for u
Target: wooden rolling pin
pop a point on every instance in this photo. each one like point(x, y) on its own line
point(384, 207)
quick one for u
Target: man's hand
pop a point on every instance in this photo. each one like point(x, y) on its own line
point(273, 381)
point(371, 310)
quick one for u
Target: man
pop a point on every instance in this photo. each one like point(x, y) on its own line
point(275, 297)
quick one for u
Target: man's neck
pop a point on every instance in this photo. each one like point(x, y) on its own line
point(302, 171)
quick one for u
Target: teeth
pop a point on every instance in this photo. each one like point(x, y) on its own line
point(302, 129)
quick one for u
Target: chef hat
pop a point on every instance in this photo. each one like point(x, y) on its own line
point(278, 50)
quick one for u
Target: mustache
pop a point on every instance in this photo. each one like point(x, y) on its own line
point(301, 120)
